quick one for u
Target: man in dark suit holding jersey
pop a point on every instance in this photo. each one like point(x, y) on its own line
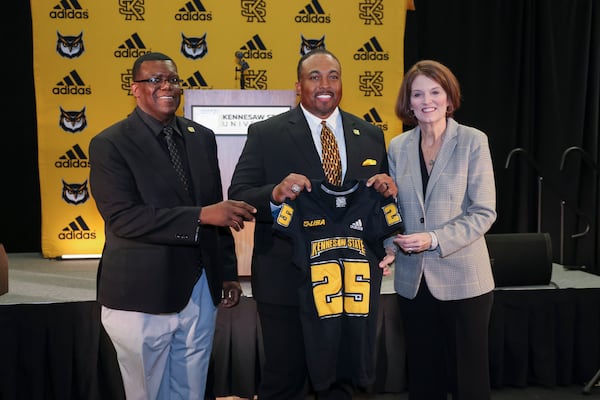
point(169, 255)
point(279, 158)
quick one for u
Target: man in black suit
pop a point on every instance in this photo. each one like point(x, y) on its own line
point(169, 255)
point(279, 158)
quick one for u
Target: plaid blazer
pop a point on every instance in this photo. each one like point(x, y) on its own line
point(459, 206)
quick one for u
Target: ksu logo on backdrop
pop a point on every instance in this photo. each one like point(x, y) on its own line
point(254, 10)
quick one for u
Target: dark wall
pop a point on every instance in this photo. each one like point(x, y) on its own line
point(20, 225)
point(530, 77)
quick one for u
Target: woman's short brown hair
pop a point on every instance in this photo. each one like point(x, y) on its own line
point(433, 70)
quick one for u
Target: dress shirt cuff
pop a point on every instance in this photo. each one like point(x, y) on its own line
point(434, 241)
point(274, 208)
point(197, 233)
point(389, 243)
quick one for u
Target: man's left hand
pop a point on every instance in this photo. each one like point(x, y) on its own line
point(383, 184)
point(232, 291)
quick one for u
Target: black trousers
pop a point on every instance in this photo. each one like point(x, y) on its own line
point(447, 346)
point(285, 374)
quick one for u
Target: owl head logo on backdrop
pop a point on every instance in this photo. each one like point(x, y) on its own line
point(306, 45)
point(194, 47)
point(69, 46)
point(75, 193)
point(73, 121)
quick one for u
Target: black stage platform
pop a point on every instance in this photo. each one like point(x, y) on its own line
point(52, 344)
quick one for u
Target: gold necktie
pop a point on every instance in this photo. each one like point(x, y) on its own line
point(332, 164)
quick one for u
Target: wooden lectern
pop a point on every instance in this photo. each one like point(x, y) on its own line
point(229, 113)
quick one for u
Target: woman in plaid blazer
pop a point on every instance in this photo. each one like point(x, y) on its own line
point(443, 276)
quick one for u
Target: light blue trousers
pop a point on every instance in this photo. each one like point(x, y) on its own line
point(164, 356)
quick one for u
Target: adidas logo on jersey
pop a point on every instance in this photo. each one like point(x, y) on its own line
point(357, 225)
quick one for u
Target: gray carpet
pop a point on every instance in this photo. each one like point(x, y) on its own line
point(33, 279)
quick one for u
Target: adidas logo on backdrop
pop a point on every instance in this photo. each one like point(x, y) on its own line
point(73, 158)
point(193, 11)
point(256, 49)
point(313, 13)
point(374, 118)
point(71, 84)
point(195, 81)
point(133, 47)
point(371, 51)
point(68, 9)
point(77, 229)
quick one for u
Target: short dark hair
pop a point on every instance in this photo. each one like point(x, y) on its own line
point(152, 56)
point(319, 50)
point(433, 70)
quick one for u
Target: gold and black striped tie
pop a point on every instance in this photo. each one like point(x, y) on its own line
point(332, 164)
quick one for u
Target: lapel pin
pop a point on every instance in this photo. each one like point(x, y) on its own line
point(191, 129)
point(356, 132)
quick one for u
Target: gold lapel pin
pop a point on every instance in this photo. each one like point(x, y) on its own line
point(356, 132)
point(191, 129)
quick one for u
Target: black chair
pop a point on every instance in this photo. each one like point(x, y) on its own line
point(520, 259)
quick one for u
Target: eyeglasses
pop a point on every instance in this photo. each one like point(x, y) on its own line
point(158, 81)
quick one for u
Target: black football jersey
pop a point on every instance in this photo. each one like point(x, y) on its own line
point(338, 233)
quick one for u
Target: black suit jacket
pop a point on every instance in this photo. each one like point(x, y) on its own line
point(275, 148)
point(154, 245)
